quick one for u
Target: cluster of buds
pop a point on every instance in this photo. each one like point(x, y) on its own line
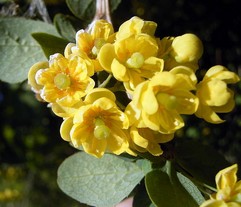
point(156, 74)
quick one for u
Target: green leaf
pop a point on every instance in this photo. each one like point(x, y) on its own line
point(201, 161)
point(50, 44)
point(19, 51)
point(191, 188)
point(98, 182)
point(85, 9)
point(65, 27)
point(167, 189)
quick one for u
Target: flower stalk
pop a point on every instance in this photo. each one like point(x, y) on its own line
point(102, 11)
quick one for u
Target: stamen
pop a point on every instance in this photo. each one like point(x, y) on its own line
point(101, 131)
point(62, 81)
point(167, 100)
point(135, 61)
point(97, 45)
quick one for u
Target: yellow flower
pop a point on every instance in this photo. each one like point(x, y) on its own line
point(228, 189)
point(90, 42)
point(158, 103)
point(185, 50)
point(134, 26)
point(98, 126)
point(147, 140)
point(214, 94)
point(63, 81)
point(131, 60)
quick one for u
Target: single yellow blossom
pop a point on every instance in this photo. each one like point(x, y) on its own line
point(131, 60)
point(147, 140)
point(134, 26)
point(63, 81)
point(228, 189)
point(214, 94)
point(158, 102)
point(185, 50)
point(98, 126)
point(90, 42)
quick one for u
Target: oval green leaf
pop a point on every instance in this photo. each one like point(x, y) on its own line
point(65, 27)
point(19, 51)
point(98, 182)
point(171, 189)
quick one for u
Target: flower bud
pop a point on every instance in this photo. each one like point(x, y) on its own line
point(187, 48)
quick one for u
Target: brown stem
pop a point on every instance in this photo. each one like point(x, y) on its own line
point(102, 10)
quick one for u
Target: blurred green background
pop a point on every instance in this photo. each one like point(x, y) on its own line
point(31, 148)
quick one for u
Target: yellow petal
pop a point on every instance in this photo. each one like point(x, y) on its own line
point(187, 103)
point(102, 29)
point(149, 140)
point(65, 128)
point(94, 146)
point(163, 79)
point(140, 89)
point(229, 106)
point(135, 25)
point(119, 71)
point(137, 138)
point(227, 177)
point(221, 73)
point(104, 103)
point(117, 142)
point(214, 203)
point(185, 70)
point(214, 93)
point(68, 49)
point(208, 114)
point(149, 101)
point(97, 93)
point(79, 134)
point(84, 41)
point(32, 75)
point(152, 65)
point(228, 77)
point(164, 121)
point(63, 111)
point(79, 114)
point(106, 56)
point(132, 112)
point(154, 149)
point(233, 204)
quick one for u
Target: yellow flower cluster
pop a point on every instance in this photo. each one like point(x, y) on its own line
point(228, 189)
point(158, 78)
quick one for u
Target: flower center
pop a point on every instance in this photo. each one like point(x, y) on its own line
point(62, 81)
point(135, 61)
point(101, 131)
point(167, 100)
point(97, 45)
